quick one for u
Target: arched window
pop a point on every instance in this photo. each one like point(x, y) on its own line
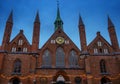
point(73, 59)
point(102, 66)
point(60, 58)
point(17, 67)
point(78, 80)
point(19, 49)
point(46, 59)
point(15, 81)
point(105, 80)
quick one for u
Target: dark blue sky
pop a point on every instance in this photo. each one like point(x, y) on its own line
point(94, 14)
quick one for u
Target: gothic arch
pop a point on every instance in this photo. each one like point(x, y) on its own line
point(78, 80)
point(14, 80)
point(105, 80)
point(60, 57)
point(46, 59)
point(62, 74)
point(17, 66)
point(103, 66)
point(73, 59)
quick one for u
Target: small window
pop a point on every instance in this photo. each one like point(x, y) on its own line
point(106, 51)
point(100, 50)
point(20, 42)
point(24, 49)
point(19, 49)
point(78, 80)
point(13, 49)
point(95, 50)
point(99, 43)
point(67, 42)
point(52, 41)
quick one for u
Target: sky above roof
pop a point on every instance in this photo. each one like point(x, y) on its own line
point(94, 14)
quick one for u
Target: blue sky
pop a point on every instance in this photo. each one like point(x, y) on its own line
point(94, 14)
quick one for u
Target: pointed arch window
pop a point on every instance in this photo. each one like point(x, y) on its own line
point(46, 59)
point(19, 49)
point(60, 58)
point(102, 66)
point(17, 67)
point(99, 43)
point(73, 59)
point(105, 80)
point(13, 49)
point(78, 80)
point(20, 42)
point(106, 51)
point(95, 50)
point(25, 49)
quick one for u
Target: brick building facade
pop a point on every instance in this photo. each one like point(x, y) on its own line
point(59, 61)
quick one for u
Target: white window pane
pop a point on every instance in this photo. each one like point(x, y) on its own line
point(13, 49)
point(24, 49)
point(95, 50)
point(99, 43)
point(20, 42)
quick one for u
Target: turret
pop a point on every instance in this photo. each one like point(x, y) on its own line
point(82, 35)
point(113, 36)
point(36, 33)
point(7, 32)
point(58, 22)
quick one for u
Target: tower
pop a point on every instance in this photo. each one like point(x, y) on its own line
point(58, 22)
point(36, 33)
point(7, 32)
point(113, 36)
point(82, 35)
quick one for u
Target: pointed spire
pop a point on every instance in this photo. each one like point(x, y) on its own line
point(58, 14)
point(37, 20)
point(10, 18)
point(80, 21)
point(58, 22)
point(110, 23)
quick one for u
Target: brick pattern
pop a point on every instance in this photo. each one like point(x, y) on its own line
point(31, 70)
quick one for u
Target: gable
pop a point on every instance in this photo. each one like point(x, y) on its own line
point(19, 41)
point(99, 45)
point(60, 39)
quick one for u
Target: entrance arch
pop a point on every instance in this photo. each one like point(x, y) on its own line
point(61, 78)
point(15, 81)
point(105, 80)
point(60, 82)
